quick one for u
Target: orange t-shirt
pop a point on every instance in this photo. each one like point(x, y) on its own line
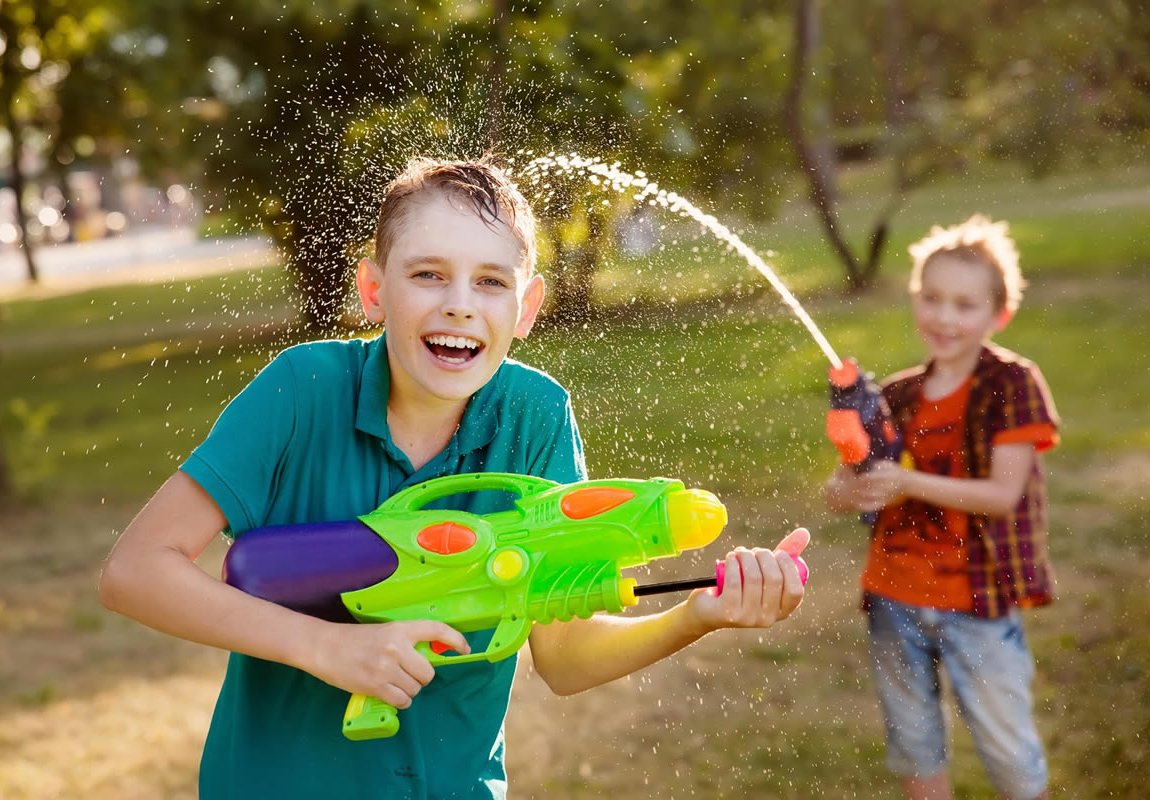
point(918, 551)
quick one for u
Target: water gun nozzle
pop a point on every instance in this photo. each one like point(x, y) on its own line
point(695, 517)
point(844, 375)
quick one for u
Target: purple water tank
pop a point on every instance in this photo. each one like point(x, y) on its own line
point(306, 567)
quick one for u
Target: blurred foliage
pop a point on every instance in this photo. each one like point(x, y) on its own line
point(295, 113)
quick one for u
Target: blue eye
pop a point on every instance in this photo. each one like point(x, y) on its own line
point(493, 282)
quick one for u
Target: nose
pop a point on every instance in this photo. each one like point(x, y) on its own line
point(947, 313)
point(458, 303)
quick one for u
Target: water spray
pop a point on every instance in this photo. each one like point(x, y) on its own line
point(649, 191)
point(859, 422)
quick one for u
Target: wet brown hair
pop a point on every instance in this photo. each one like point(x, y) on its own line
point(486, 187)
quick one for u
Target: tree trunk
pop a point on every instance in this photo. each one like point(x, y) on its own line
point(317, 257)
point(819, 163)
point(10, 82)
point(558, 287)
point(813, 163)
point(895, 112)
point(574, 271)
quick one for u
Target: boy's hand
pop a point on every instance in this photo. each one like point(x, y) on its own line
point(761, 587)
point(381, 660)
point(882, 485)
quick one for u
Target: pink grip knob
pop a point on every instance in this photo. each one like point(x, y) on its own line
point(721, 572)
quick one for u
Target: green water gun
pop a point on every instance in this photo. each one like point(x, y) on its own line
point(556, 555)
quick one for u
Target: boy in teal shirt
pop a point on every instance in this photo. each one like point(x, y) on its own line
point(328, 431)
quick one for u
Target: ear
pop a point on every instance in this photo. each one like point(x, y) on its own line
point(367, 281)
point(532, 302)
point(1004, 317)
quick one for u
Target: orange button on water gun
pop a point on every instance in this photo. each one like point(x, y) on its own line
point(446, 538)
point(594, 500)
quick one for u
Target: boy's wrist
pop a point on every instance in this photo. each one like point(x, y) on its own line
point(688, 622)
point(305, 649)
point(908, 483)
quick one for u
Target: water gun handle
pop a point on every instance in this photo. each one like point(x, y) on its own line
point(859, 422)
point(416, 497)
point(371, 718)
point(721, 572)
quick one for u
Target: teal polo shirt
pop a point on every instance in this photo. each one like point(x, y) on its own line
point(307, 441)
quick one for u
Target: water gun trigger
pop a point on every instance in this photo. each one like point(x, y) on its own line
point(510, 634)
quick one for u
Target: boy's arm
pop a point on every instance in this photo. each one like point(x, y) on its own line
point(1010, 466)
point(762, 588)
point(151, 576)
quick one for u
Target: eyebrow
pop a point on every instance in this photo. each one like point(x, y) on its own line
point(501, 269)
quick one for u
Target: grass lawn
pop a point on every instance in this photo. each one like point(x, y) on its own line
point(103, 393)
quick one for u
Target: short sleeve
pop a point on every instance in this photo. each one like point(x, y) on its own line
point(1026, 413)
point(237, 464)
point(559, 455)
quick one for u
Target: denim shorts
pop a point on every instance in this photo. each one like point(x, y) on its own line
point(990, 670)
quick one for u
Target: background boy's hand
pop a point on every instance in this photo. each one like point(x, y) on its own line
point(761, 587)
point(882, 485)
point(381, 660)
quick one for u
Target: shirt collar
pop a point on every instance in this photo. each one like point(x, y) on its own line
point(986, 360)
point(480, 417)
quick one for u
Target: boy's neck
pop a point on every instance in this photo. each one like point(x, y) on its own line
point(946, 376)
point(422, 430)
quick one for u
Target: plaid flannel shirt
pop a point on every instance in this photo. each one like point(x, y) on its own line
point(1007, 555)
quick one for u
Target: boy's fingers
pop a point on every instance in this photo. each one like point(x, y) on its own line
point(395, 696)
point(417, 668)
point(733, 586)
point(754, 581)
point(429, 630)
point(773, 579)
point(407, 679)
point(792, 593)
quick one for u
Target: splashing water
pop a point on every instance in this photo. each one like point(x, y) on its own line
point(649, 191)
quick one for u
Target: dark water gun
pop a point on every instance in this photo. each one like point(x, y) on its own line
point(557, 554)
point(859, 422)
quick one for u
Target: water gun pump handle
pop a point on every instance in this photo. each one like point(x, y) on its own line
point(702, 583)
point(721, 572)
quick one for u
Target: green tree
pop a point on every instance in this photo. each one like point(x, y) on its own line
point(955, 83)
point(75, 80)
point(310, 106)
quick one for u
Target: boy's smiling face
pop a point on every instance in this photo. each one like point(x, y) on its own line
point(453, 294)
point(955, 310)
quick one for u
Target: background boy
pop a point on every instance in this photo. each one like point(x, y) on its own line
point(960, 541)
point(329, 430)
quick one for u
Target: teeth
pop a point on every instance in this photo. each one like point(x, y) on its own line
point(453, 341)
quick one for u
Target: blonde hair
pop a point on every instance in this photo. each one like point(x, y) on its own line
point(487, 188)
point(977, 241)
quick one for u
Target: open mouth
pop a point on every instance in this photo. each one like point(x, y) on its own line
point(452, 349)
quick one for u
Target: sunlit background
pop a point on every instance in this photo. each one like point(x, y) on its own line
point(185, 184)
